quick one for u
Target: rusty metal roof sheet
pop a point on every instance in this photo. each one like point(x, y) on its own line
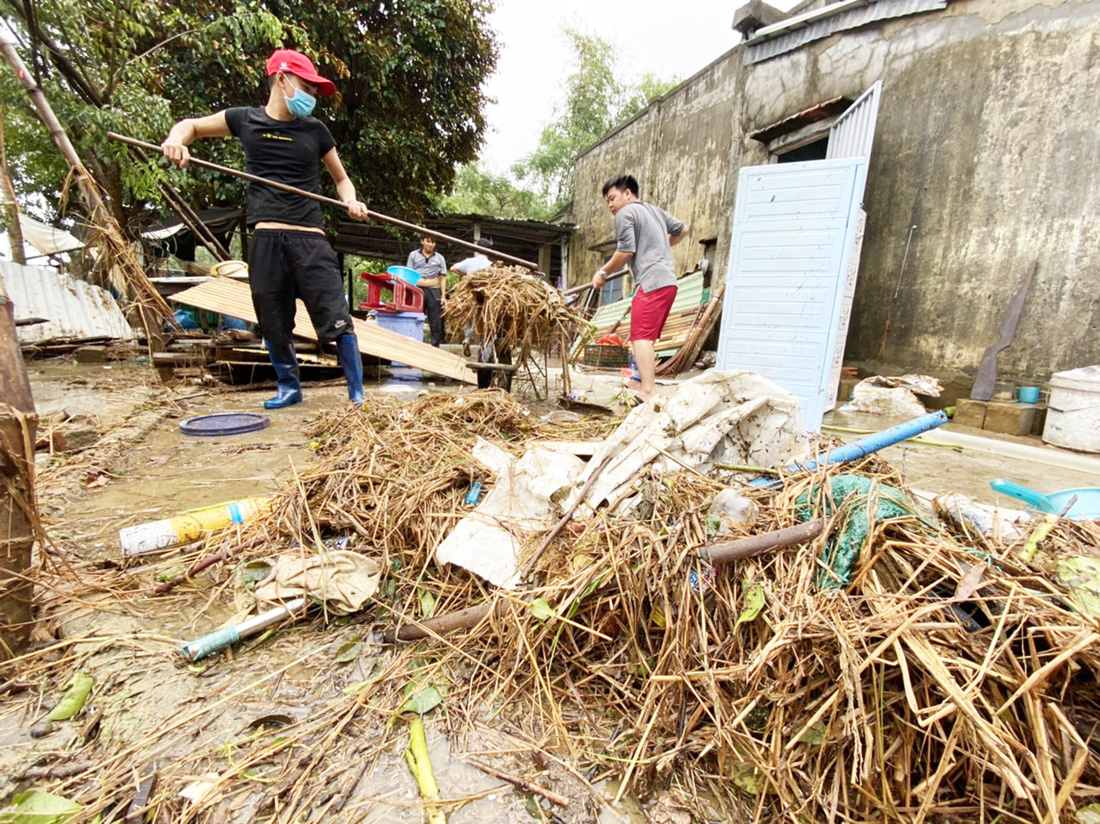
point(788, 35)
point(72, 307)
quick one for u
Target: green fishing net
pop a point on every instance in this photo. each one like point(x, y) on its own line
point(861, 503)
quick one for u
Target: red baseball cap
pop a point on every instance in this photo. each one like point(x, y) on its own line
point(288, 60)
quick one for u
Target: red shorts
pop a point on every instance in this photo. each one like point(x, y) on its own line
point(649, 311)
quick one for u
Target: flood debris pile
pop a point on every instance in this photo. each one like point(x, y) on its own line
point(516, 309)
point(939, 684)
point(896, 666)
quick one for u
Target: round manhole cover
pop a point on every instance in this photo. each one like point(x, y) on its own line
point(225, 423)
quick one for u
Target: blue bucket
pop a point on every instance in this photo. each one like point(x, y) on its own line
point(410, 276)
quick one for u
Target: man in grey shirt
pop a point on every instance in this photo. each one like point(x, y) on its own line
point(433, 281)
point(645, 235)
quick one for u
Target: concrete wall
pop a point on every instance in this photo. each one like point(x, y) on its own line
point(987, 142)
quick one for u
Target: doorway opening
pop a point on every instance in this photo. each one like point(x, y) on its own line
point(814, 150)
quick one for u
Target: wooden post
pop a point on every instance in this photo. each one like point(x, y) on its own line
point(544, 262)
point(18, 429)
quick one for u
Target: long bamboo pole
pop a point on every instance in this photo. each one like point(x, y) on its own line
point(15, 231)
point(331, 201)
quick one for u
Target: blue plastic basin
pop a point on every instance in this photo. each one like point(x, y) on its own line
point(1086, 501)
point(410, 276)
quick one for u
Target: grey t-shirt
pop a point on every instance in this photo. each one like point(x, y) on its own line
point(428, 267)
point(643, 229)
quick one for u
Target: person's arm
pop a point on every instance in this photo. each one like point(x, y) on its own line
point(345, 189)
point(442, 278)
point(677, 229)
point(412, 256)
point(187, 131)
point(626, 242)
point(617, 262)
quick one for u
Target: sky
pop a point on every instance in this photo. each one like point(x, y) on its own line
point(669, 38)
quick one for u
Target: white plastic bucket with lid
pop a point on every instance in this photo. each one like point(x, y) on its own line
point(1073, 413)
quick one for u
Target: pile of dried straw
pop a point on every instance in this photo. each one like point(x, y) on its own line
point(948, 681)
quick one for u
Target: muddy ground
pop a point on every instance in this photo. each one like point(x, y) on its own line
point(143, 468)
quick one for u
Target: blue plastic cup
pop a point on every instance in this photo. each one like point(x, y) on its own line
point(1026, 394)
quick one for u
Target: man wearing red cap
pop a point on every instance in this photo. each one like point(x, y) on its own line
point(289, 256)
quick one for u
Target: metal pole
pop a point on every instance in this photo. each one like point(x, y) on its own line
point(331, 201)
point(572, 290)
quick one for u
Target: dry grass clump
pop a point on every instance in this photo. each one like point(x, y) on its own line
point(939, 685)
point(515, 308)
point(943, 682)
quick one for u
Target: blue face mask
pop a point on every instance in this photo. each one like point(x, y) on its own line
point(301, 103)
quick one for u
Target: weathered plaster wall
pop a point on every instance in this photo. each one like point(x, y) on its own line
point(678, 148)
point(988, 142)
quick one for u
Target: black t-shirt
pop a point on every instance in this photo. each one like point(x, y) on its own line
point(287, 151)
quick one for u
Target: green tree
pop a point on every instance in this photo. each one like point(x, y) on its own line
point(480, 191)
point(409, 75)
point(596, 101)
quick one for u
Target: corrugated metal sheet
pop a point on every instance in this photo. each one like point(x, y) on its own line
point(841, 21)
point(689, 296)
point(853, 134)
point(74, 308)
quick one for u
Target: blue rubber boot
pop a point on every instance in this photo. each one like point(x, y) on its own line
point(347, 352)
point(289, 390)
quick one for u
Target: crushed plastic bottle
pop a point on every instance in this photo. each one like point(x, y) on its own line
point(730, 513)
point(703, 580)
point(473, 493)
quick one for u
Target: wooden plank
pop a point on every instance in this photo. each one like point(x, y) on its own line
point(228, 297)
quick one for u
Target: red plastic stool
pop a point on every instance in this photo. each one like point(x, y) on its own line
point(406, 297)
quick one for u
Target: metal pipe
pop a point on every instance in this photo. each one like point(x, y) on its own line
point(219, 639)
point(331, 201)
point(729, 551)
point(865, 446)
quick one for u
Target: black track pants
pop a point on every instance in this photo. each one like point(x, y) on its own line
point(433, 308)
point(284, 265)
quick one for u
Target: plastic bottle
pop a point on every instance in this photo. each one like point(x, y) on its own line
point(474, 493)
point(188, 526)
